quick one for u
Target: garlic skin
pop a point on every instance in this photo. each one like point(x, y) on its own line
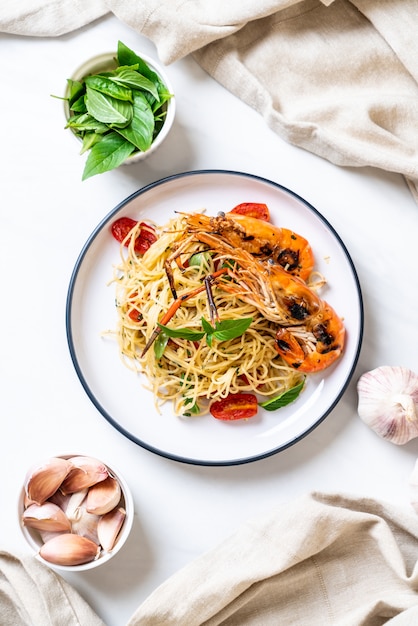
point(69, 549)
point(42, 481)
point(388, 402)
point(104, 496)
point(85, 472)
point(47, 516)
point(109, 526)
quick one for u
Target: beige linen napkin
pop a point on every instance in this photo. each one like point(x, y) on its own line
point(31, 594)
point(336, 77)
point(320, 560)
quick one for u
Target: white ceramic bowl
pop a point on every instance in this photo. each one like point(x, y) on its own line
point(35, 542)
point(106, 62)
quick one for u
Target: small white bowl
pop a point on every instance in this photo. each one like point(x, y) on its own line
point(107, 62)
point(35, 542)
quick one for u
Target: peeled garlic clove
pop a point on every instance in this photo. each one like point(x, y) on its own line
point(388, 402)
point(104, 496)
point(109, 527)
point(74, 502)
point(42, 481)
point(86, 472)
point(69, 549)
point(85, 524)
point(47, 516)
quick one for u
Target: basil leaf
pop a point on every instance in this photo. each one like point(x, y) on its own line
point(109, 87)
point(134, 80)
point(126, 56)
point(89, 139)
point(109, 153)
point(208, 328)
point(107, 109)
point(285, 398)
point(79, 105)
point(76, 89)
point(230, 329)
point(85, 122)
point(140, 131)
point(160, 344)
point(182, 333)
point(193, 410)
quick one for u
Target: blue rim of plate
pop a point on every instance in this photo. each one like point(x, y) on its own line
point(84, 382)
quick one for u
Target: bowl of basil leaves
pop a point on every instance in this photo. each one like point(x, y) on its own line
point(120, 106)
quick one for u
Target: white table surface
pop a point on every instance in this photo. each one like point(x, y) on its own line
point(181, 510)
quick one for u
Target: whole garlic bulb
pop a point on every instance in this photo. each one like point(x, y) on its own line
point(388, 402)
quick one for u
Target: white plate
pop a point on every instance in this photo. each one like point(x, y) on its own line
point(118, 393)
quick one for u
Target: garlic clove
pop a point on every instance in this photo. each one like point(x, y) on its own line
point(69, 549)
point(85, 524)
point(104, 496)
point(86, 472)
point(42, 481)
point(74, 502)
point(47, 516)
point(109, 527)
point(388, 402)
point(46, 535)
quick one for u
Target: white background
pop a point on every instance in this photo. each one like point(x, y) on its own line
point(47, 214)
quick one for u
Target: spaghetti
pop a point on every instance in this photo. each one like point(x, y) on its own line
point(191, 374)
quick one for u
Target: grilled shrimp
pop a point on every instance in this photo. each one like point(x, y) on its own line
point(258, 237)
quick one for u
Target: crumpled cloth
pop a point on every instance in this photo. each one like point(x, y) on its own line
point(31, 594)
point(336, 77)
point(319, 560)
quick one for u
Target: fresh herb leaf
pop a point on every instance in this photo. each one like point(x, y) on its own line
point(109, 153)
point(283, 399)
point(89, 140)
point(193, 410)
point(76, 90)
point(107, 109)
point(227, 329)
point(126, 56)
point(182, 333)
point(107, 86)
point(79, 105)
point(160, 344)
point(140, 131)
point(130, 78)
point(85, 123)
point(230, 329)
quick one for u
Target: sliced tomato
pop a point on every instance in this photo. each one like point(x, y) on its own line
point(144, 239)
point(236, 406)
point(253, 209)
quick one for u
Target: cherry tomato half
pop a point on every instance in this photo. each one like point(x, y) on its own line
point(253, 209)
point(236, 406)
point(145, 238)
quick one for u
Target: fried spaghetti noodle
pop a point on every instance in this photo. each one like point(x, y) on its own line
point(191, 374)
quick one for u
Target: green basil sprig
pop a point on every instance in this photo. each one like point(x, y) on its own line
point(222, 331)
point(117, 113)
